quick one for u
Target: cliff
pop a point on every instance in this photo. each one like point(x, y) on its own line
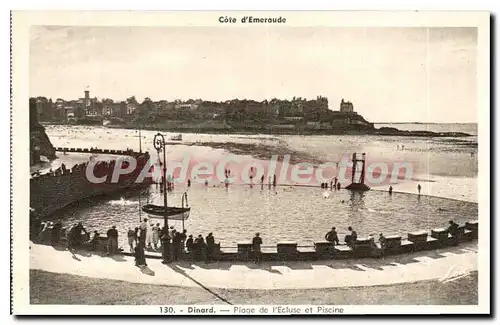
point(40, 144)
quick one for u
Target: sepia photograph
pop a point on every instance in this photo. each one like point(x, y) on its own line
point(243, 163)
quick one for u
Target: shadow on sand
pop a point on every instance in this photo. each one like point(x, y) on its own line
point(146, 270)
point(360, 265)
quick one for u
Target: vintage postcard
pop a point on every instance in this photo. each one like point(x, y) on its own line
point(250, 163)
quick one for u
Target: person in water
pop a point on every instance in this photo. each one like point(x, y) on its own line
point(390, 190)
point(419, 188)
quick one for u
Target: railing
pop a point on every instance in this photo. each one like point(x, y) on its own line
point(128, 152)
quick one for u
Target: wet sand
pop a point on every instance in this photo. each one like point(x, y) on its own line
point(261, 150)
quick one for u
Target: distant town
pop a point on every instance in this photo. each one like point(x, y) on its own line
point(275, 113)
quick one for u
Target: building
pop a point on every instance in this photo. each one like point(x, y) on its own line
point(131, 107)
point(70, 114)
point(346, 107)
point(190, 106)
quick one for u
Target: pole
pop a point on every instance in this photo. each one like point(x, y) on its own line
point(363, 168)
point(160, 144)
point(140, 140)
point(165, 182)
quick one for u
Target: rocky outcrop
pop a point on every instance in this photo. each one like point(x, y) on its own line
point(397, 132)
point(40, 144)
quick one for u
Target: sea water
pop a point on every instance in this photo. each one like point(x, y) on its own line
point(445, 167)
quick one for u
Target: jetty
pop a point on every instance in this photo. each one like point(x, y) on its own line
point(99, 151)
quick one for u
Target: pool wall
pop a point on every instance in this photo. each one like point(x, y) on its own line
point(290, 251)
point(56, 190)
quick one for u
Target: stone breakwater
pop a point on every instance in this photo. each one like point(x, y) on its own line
point(62, 187)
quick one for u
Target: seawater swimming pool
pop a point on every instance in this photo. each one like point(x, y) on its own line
point(284, 213)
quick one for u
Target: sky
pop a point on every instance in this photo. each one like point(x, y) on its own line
point(389, 74)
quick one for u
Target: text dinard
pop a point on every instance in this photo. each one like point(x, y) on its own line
point(252, 20)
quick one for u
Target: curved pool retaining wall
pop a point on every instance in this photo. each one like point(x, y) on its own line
point(56, 190)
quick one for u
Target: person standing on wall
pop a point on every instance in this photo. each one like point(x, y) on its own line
point(256, 243)
point(112, 240)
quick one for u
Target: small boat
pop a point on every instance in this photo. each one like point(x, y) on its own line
point(177, 137)
point(173, 213)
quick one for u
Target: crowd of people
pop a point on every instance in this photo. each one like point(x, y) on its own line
point(171, 243)
point(54, 232)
